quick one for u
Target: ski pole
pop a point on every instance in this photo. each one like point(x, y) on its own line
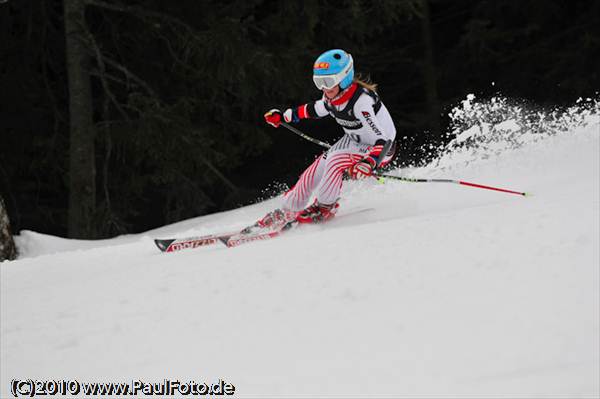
point(384, 151)
point(463, 183)
point(386, 147)
point(380, 177)
point(306, 136)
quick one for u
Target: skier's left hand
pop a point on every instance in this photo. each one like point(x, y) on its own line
point(362, 169)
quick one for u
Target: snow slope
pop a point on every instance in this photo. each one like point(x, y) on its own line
point(431, 290)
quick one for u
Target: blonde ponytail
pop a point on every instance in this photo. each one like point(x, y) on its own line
point(365, 82)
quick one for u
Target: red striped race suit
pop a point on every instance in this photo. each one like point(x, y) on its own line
point(367, 126)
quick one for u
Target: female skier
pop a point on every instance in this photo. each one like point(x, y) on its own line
point(367, 124)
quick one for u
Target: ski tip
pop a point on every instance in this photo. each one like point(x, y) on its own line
point(163, 244)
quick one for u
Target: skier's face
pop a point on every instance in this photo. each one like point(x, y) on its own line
point(331, 93)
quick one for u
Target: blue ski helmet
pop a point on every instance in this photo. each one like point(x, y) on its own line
point(333, 67)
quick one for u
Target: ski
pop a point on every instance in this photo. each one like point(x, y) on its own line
point(242, 238)
point(177, 244)
point(228, 239)
point(234, 239)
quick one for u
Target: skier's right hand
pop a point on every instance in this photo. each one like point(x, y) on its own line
point(274, 117)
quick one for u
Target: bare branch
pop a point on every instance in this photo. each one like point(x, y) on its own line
point(142, 13)
point(101, 66)
point(130, 75)
point(220, 175)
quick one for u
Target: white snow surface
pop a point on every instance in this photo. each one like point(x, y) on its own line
point(415, 290)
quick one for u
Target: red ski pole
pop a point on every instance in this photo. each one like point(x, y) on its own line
point(463, 183)
point(406, 179)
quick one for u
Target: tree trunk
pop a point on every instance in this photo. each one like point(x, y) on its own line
point(429, 71)
point(82, 170)
point(8, 250)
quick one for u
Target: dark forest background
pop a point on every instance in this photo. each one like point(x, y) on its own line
point(119, 116)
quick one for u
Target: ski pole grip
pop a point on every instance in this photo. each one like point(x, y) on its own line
point(386, 147)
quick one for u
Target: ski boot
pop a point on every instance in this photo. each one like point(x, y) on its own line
point(317, 213)
point(271, 220)
point(276, 218)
